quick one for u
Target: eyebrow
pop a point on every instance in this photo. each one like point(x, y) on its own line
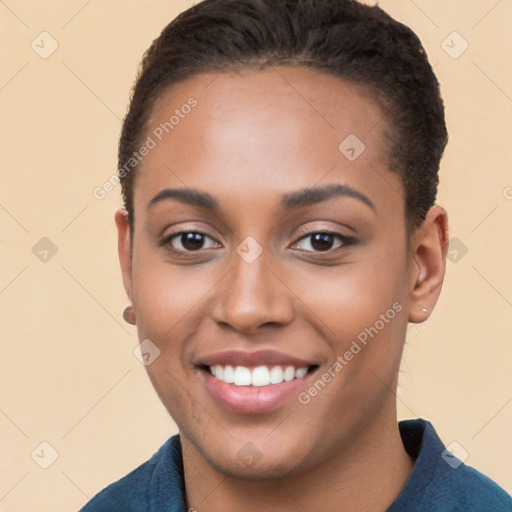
point(311, 196)
point(289, 201)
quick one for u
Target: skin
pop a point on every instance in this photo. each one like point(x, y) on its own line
point(253, 137)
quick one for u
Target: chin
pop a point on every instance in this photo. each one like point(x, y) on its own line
point(258, 467)
point(262, 459)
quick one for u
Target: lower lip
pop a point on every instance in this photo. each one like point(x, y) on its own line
point(253, 399)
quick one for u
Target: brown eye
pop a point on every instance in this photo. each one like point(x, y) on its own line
point(323, 241)
point(189, 241)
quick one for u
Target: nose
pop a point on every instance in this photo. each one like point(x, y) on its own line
point(252, 295)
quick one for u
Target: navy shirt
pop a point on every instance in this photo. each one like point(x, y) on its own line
point(439, 482)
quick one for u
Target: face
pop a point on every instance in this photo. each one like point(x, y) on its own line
point(284, 268)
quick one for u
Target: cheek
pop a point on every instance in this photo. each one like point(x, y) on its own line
point(353, 297)
point(174, 394)
point(166, 294)
point(363, 319)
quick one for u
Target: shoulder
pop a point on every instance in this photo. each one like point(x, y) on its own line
point(471, 490)
point(442, 482)
point(132, 492)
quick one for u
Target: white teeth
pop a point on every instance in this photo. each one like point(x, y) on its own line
point(258, 376)
point(289, 373)
point(229, 374)
point(219, 371)
point(276, 375)
point(242, 376)
point(300, 372)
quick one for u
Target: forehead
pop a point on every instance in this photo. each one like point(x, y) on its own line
point(273, 130)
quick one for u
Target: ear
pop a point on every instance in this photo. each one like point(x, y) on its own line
point(124, 249)
point(429, 247)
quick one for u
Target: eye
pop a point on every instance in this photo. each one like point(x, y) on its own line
point(189, 241)
point(323, 241)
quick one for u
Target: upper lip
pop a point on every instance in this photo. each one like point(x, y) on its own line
point(253, 359)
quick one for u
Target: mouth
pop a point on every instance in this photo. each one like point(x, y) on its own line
point(254, 383)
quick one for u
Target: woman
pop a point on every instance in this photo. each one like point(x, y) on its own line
point(279, 166)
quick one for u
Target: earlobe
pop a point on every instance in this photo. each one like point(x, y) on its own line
point(429, 250)
point(124, 249)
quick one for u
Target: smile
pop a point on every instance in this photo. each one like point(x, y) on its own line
point(254, 383)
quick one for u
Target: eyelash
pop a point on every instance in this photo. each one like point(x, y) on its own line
point(345, 241)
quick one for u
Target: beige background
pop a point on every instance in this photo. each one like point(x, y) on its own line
point(68, 373)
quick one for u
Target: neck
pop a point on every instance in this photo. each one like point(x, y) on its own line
point(366, 475)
